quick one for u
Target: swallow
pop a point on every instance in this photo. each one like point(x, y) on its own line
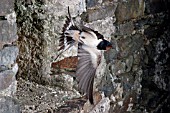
point(90, 46)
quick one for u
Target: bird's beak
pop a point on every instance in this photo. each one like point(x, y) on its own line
point(104, 45)
point(108, 48)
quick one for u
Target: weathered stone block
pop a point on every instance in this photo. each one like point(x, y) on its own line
point(8, 55)
point(7, 33)
point(129, 45)
point(6, 79)
point(105, 27)
point(125, 29)
point(6, 7)
point(9, 105)
point(129, 9)
point(99, 13)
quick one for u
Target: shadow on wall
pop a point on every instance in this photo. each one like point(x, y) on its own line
point(156, 79)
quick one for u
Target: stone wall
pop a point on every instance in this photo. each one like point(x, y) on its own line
point(8, 54)
point(129, 77)
point(155, 79)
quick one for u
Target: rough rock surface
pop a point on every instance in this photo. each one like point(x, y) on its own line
point(133, 77)
point(8, 55)
point(34, 97)
point(9, 105)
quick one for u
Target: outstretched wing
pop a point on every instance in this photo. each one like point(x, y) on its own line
point(88, 61)
point(66, 38)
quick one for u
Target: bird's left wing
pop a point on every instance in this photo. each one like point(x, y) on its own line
point(88, 61)
point(70, 32)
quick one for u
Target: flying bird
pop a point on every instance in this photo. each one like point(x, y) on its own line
point(90, 46)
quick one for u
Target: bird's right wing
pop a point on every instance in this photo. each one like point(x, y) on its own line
point(88, 61)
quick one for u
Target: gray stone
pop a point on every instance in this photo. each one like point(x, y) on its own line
point(36, 98)
point(124, 44)
point(125, 29)
point(6, 78)
point(100, 12)
point(7, 33)
point(118, 67)
point(2, 68)
point(11, 90)
point(6, 7)
point(127, 81)
point(102, 107)
point(130, 44)
point(136, 61)
point(104, 27)
point(110, 55)
point(9, 105)
point(8, 81)
point(129, 63)
point(128, 9)
point(8, 55)
point(108, 82)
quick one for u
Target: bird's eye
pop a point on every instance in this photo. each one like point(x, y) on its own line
point(83, 37)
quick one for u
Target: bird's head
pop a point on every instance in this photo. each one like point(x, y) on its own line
point(104, 45)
